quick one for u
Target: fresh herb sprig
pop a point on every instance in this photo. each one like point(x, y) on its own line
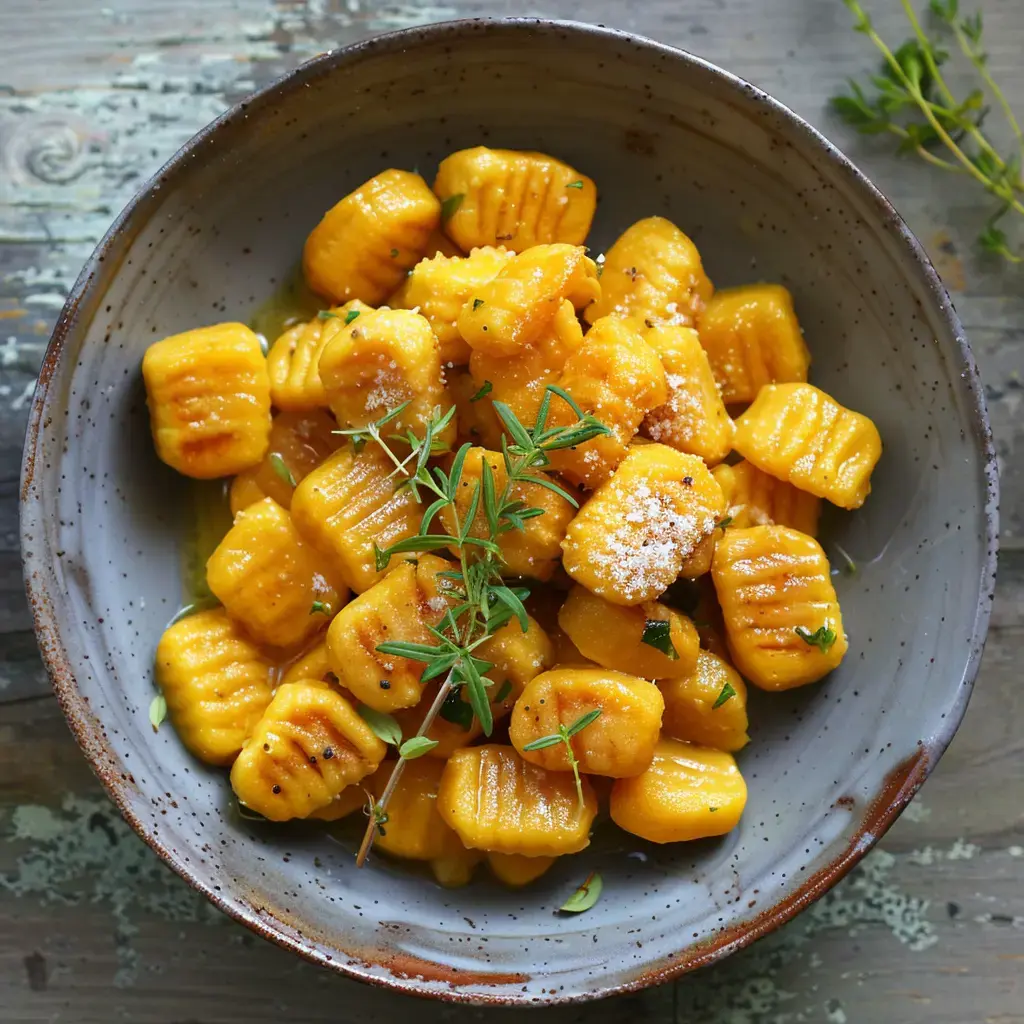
point(564, 735)
point(421, 449)
point(911, 100)
point(480, 601)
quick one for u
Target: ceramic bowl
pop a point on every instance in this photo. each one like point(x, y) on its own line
point(766, 198)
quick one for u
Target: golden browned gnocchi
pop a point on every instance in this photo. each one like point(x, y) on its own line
point(752, 338)
point(368, 241)
point(309, 745)
point(497, 802)
point(209, 400)
point(268, 578)
point(630, 541)
point(518, 200)
point(494, 488)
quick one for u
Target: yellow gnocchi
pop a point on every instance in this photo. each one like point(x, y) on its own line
point(782, 618)
point(367, 241)
point(631, 539)
point(439, 286)
point(209, 400)
point(752, 338)
point(652, 275)
point(308, 747)
point(269, 579)
point(216, 682)
point(801, 435)
point(513, 198)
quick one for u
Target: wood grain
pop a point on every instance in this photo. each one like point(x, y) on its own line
point(93, 98)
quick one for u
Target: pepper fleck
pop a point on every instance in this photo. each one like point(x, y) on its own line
point(385, 684)
point(687, 481)
point(328, 753)
point(277, 789)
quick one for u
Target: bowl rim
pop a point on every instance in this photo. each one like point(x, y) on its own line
point(892, 797)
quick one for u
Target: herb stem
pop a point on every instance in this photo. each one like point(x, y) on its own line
point(914, 91)
point(396, 775)
point(981, 67)
point(933, 70)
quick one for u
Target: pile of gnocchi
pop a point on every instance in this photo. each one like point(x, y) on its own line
point(658, 556)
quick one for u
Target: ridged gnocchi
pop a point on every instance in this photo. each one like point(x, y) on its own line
point(515, 199)
point(216, 682)
point(801, 435)
point(269, 579)
point(497, 802)
point(630, 540)
point(752, 338)
point(368, 241)
point(512, 310)
point(350, 503)
point(438, 288)
point(618, 378)
point(309, 745)
point(782, 619)
point(652, 275)
point(618, 743)
point(209, 400)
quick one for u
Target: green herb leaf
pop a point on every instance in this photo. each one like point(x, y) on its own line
point(658, 634)
point(157, 711)
point(450, 206)
point(477, 303)
point(849, 565)
point(823, 638)
point(544, 741)
point(504, 690)
point(264, 344)
point(727, 694)
point(457, 711)
point(277, 464)
point(510, 599)
point(350, 316)
point(485, 389)
point(585, 896)
point(477, 692)
point(404, 649)
point(326, 314)
point(723, 523)
point(383, 725)
point(415, 747)
point(319, 608)
point(394, 253)
point(575, 184)
point(583, 721)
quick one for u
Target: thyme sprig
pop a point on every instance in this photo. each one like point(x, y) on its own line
point(911, 100)
point(564, 735)
point(480, 602)
point(421, 449)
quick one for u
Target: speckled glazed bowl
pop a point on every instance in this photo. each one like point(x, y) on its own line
point(765, 197)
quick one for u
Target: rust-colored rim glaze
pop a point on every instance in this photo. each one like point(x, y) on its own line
point(407, 973)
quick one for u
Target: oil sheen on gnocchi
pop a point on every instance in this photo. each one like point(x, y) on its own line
point(510, 525)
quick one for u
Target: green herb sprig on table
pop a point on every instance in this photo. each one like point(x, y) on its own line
point(480, 600)
point(911, 100)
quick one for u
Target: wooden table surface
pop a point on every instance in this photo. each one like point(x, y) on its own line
point(94, 96)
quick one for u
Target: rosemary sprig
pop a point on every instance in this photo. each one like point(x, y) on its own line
point(480, 601)
point(911, 100)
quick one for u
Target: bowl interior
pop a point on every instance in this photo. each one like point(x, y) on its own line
point(764, 200)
